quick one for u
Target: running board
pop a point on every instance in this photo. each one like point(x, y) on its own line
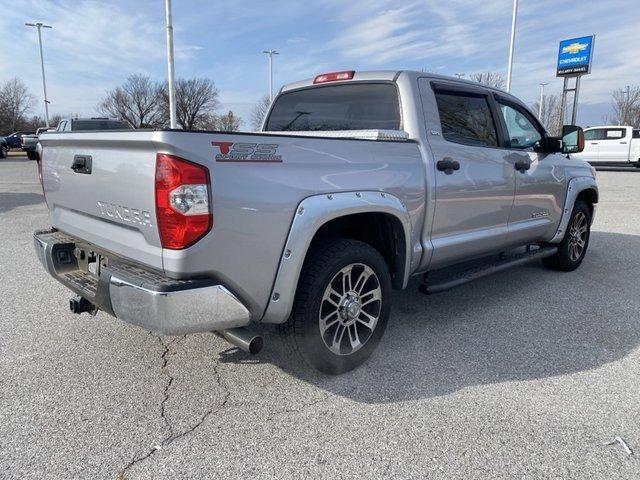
point(445, 279)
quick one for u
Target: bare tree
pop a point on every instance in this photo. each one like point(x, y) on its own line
point(15, 102)
point(259, 112)
point(196, 102)
point(551, 113)
point(137, 101)
point(626, 106)
point(228, 122)
point(491, 79)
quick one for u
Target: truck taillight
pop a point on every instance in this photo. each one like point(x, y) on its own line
point(182, 201)
point(334, 76)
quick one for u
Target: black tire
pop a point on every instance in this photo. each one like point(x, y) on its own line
point(326, 261)
point(31, 155)
point(4, 151)
point(566, 259)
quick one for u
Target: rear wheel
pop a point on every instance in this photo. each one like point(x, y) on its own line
point(573, 248)
point(341, 306)
point(4, 151)
point(31, 155)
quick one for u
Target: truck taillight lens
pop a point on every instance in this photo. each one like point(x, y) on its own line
point(182, 201)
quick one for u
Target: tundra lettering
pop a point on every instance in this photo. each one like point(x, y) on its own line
point(126, 214)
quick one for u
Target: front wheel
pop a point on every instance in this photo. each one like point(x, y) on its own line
point(573, 248)
point(341, 306)
point(4, 151)
point(31, 155)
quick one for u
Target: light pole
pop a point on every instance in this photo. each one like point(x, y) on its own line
point(626, 106)
point(512, 43)
point(270, 53)
point(542, 84)
point(173, 122)
point(459, 75)
point(40, 26)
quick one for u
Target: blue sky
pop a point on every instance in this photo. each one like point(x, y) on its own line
point(94, 45)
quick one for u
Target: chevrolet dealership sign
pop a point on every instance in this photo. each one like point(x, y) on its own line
point(574, 56)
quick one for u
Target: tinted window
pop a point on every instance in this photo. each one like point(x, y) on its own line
point(523, 133)
point(97, 125)
point(337, 107)
point(636, 134)
point(614, 134)
point(466, 118)
point(595, 134)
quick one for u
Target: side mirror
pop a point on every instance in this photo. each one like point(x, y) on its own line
point(548, 145)
point(572, 139)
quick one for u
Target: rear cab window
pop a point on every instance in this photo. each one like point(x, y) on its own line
point(466, 118)
point(353, 106)
point(98, 125)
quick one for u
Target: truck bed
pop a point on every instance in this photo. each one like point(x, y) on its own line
point(257, 179)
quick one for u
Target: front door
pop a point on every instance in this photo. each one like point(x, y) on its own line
point(474, 183)
point(591, 145)
point(540, 182)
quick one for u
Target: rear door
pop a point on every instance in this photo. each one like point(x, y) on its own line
point(473, 202)
point(614, 145)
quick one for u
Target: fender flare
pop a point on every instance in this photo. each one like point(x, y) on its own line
point(311, 214)
point(575, 186)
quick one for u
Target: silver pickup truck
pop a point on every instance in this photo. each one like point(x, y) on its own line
point(358, 182)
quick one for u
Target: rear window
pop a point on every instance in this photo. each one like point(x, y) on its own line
point(360, 106)
point(466, 118)
point(98, 125)
point(636, 134)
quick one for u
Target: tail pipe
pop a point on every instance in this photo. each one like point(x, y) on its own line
point(243, 338)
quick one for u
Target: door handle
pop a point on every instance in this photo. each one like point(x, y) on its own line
point(448, 165)
point(81, 164)
point(522, 166)
point(595, 143)
point(623, 143)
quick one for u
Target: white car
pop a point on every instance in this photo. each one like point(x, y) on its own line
point(611, 145)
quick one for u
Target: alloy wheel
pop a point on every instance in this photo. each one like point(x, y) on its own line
point(350, 309)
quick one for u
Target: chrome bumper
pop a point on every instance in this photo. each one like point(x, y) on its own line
point(140, 296)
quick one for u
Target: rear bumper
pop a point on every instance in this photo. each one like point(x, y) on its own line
point(141, 296)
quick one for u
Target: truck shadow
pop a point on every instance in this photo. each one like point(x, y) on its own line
point(11, 200)
point(525, 324)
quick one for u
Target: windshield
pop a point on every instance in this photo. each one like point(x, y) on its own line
point(358, 106)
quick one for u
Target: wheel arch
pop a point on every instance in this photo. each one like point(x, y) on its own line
point(376, 218)
point(579, 188)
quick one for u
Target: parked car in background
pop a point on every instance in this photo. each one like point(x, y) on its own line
point(30, 142)
point(94, 123)
point(13, 140)
point(357, 182)
point(613, 145)
point(4, 148)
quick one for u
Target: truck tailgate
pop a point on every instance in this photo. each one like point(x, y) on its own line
point(109, 202)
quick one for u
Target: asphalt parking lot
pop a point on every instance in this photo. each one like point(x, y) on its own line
point(527, 374)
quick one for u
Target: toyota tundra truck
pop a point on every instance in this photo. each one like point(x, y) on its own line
point(356, 183)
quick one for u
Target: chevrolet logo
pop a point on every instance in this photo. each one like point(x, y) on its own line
point(575, 48)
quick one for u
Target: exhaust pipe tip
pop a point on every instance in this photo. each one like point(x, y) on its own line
point(255, 345)
point(244, 339)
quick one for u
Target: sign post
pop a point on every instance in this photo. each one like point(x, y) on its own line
point(574, 60)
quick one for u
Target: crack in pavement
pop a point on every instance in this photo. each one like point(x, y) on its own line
point(172, 437)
